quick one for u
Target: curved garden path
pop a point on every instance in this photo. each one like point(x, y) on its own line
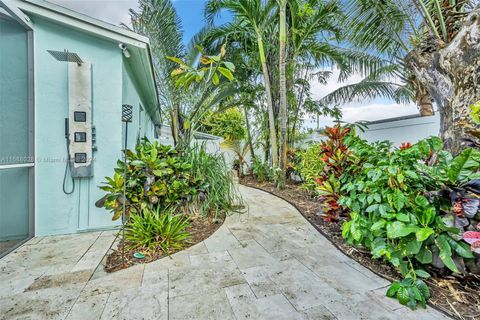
point(268, 263)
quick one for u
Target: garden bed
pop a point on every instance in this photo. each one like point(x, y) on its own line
point(200, 229)
point(459, 298)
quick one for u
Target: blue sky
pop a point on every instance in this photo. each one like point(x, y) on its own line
point(191, 13)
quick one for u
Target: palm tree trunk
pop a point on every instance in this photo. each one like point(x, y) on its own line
point(283, 93)
point(424, 101)
point(268, 92)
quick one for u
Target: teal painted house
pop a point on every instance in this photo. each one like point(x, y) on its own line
point(63, 80)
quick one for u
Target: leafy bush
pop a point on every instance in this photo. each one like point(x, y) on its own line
point(154, 229)
point(309, 167)
point(391, 215)
point(156, 176)
point(263, 171)
point(228, 124)
point(218, 194)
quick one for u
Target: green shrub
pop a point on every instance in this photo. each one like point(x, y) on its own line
point(154, 230)
point(309, 166)
point(263, 171)
point(218, 195)
point(228, 124)
point(391, 215)
point(156, 176)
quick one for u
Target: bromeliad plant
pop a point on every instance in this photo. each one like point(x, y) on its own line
point(391, 215)
point(153, 230)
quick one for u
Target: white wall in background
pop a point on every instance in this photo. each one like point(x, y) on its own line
point(403, 129)
point(212, 142)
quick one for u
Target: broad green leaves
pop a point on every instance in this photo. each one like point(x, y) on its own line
point(424, 256)
point(446, 252)
point(410, 292)
point(394, 215)
point(424, 233)
point(461, 167)
point(399, 229)
point(210, 70)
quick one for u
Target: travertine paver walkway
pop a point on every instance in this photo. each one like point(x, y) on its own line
point(268, 263)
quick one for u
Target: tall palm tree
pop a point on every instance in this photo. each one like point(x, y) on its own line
point(282, 4)
point(252, 15)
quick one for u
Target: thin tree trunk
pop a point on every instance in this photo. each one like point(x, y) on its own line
point(174, 126)
point(299, 105)
point(451, 77)
point(268, 92)
point(249, 133)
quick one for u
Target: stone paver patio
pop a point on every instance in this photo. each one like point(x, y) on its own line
point(268, 263)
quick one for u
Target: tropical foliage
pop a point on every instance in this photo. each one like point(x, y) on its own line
point(250, 79)
point(165, 187)
point(157, 175)
point(418, 215)
point(228, 124)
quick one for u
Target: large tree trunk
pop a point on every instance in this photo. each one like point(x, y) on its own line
point(451, 75)
point(283, 94)
point(268, 93)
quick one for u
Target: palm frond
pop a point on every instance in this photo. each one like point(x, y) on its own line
point(363, 90)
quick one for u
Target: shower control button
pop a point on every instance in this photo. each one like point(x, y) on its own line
point(80, 116)
point(80, 137)
point(80, 158)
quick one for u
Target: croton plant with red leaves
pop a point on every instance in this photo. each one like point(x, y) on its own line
point(334, 155)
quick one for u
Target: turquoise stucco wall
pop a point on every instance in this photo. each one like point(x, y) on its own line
point(14, 135)
point(141, 124)
point(57, 213)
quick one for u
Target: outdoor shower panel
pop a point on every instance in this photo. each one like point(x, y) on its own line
point(79, 127)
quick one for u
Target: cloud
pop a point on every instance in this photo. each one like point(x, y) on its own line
point(111, 11)
point(372, 109)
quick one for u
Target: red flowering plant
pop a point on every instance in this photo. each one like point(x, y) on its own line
point(334, 155)
point(405, 146)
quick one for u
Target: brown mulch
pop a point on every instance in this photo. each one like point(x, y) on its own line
point(200, 229)
point(458, 298)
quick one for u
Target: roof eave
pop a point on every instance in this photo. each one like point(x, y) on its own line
point(16, 14)
point(80, 22)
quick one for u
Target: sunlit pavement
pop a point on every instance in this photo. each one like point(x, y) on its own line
point(267, 263)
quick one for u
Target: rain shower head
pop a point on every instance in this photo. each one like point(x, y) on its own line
point(66, 56)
